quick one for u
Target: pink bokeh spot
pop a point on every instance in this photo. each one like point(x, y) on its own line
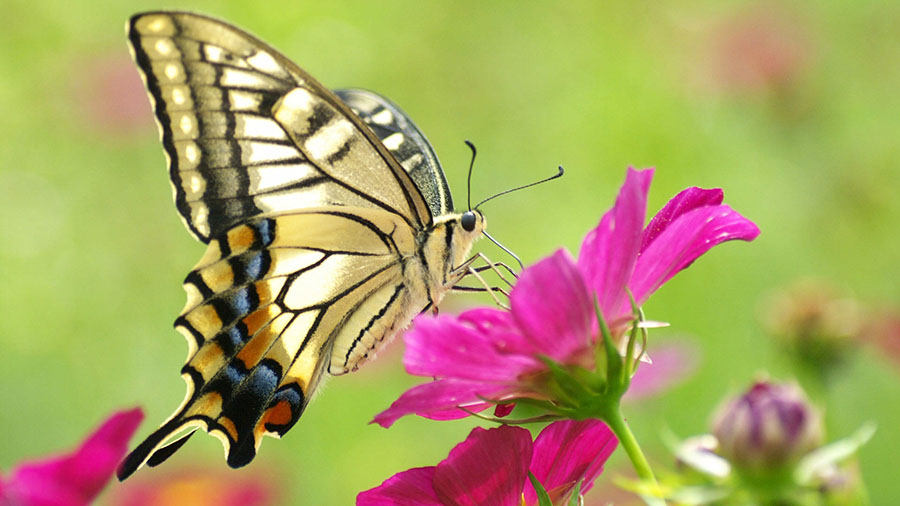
point(195, 486)
point(76, 478)
point(671, 364)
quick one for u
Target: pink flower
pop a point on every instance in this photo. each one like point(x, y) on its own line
point(491, 467)
point(486, 353)
point(76, 478)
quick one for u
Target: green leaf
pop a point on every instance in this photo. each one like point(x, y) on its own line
point(575, 500)
point(543, 497)
point(818, 460)
point(632, 338)
point(613, 358)
point(699, 494)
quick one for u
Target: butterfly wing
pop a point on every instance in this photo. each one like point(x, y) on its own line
point(406, 142)
point(265, 305)
point(307, 216)
point(247, 132)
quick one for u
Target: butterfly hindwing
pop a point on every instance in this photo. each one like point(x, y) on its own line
point(265, 305)
point(248, 132)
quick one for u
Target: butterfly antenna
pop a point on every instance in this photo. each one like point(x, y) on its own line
point(551, 178)
point(504, 248)
point(471, 164)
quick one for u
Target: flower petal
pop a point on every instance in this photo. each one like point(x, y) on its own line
point(75, 479)
point(567, 451)
point(686, 200)
point(439, 400)
point(489, 468)
point(445, 347)
point(503, 410)
point(683, 241)
point(609, 251)
point(552, 306)
point(505, 334)
point(409, 488)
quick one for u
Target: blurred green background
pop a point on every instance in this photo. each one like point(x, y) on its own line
point(791, 107)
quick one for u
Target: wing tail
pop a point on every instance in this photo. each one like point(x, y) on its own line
point(153, 445)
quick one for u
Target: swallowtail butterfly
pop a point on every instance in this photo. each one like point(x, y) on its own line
point(328, 222)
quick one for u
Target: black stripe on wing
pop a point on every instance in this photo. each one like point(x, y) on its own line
point(406, 142)
point(215, 90)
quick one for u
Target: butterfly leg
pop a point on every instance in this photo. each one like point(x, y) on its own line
point(480, 289)
point(494, 266)
point(467, 269)
point(488, 288)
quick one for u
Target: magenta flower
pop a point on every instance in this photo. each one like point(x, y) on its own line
point(74, 479)
point(487, 353)
point(491, 467)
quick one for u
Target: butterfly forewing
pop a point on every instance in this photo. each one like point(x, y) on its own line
point(247, 132)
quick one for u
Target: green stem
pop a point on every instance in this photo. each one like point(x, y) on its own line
point(613, 418)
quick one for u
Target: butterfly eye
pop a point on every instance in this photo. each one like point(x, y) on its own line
point(468, 221)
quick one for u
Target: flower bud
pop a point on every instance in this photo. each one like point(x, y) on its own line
point(814, 323)
point(767, 428)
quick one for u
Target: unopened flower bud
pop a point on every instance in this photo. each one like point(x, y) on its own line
point(815, 323)
point(768, 427)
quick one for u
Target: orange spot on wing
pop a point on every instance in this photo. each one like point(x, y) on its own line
point(240, 238)
point(259, 318)
point(263, 291)
point(279, 414)
point(254, 350)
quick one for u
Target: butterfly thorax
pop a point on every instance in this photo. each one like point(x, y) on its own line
point(438, 262)
point(444, 249)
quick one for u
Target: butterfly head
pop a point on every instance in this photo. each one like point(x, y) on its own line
point(452, 237)
point(472, 221)
point(468, 226)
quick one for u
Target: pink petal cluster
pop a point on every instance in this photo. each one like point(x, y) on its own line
point(76, 478)
point(487, 353)
point(491, 467)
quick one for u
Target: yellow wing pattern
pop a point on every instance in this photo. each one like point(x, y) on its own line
point(265, 305)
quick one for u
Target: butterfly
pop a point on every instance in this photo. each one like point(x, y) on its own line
point(328, 222)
